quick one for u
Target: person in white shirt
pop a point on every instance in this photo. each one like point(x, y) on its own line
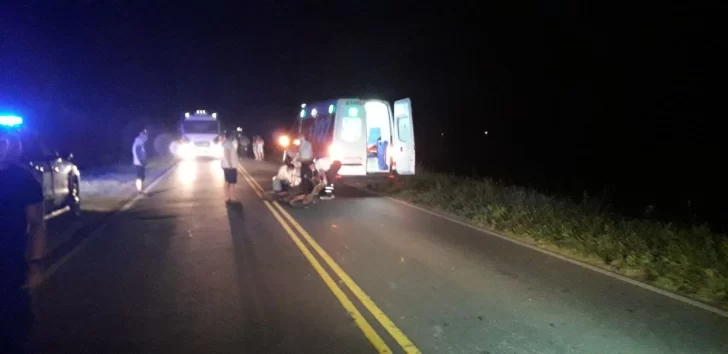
point(255, 148)
point(283, 180)
point(261, 154)
point(140, 159)
point(305, 154)
point(230, 164)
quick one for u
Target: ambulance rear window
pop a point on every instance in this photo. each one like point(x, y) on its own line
point(351, 129)
point(403, 127)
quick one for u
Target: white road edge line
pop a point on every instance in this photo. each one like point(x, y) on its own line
point(645, 286)
point(93, 234)
point(57, 213)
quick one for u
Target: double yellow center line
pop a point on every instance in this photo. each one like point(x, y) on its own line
point(282, 216)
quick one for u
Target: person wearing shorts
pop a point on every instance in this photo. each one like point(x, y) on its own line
point(141, 173)
point(231, 175)
point(230, 164)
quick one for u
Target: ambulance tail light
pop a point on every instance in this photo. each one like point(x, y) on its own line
point(391, 159)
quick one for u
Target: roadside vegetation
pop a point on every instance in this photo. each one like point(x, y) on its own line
point(690, 260)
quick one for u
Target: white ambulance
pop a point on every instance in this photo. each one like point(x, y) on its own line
point(361, 137)
point(200, 135)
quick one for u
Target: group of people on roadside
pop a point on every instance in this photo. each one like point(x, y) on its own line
point(302, 170)
point(229, 162)
point(23, 238)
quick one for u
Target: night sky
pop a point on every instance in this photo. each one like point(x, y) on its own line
point(575, 97)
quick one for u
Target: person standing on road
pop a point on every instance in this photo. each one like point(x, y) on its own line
point(243, 143)
point(140, 159)
point(230, 164)
point(261, 154)
point(22, 220)
point(255, 148)
point(305, 154)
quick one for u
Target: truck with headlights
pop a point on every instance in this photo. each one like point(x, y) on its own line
point(200, 136)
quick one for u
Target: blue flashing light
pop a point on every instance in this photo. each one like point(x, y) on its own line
point(10, 121)
point(303, 113)
point(331, 109)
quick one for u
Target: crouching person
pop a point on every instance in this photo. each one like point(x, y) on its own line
point(283, 180)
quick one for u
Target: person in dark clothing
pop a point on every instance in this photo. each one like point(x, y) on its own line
point(21, 217)
point(307, 184)
point(243, 144)
point(308, 175)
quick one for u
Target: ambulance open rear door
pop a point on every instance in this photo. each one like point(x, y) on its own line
point(403, 138)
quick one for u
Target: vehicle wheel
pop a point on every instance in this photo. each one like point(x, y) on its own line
point(74, 197)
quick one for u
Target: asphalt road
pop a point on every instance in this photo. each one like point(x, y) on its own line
point(181, 271)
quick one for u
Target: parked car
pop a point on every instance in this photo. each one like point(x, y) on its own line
point(59, 176)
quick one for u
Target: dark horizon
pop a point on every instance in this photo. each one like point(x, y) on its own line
point(574, 99)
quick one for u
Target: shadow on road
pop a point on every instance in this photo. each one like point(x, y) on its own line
point(67, 232)
point(83, 307)
point(345, 192)
point(255, 293)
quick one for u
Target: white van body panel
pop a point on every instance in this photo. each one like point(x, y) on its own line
point(349, 140)
point(403, 137)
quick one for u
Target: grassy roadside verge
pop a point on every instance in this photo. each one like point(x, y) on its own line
point(126, 166)
point(689, 261)
point(104, 190)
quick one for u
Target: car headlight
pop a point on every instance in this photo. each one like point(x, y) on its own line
point(186, 151)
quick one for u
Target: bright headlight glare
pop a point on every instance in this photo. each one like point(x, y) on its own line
point(186, 151)
point(284, 140)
